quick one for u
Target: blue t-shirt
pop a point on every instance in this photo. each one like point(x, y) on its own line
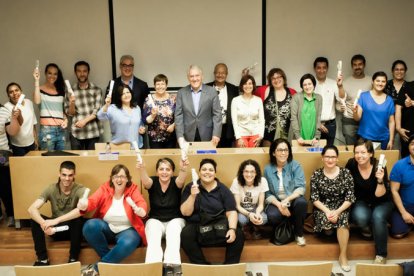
point(403, 173)
point(374, 121)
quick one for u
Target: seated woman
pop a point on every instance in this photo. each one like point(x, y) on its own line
point(209, 196)
point(375, 113)
point(159, 111)
point(165, 218)
point(115, 220)
point(249, 189)
point(285, 197)
point(247, 115)
point(306, 108)
point(373, 206)
point(124, 118)
point(332, 193)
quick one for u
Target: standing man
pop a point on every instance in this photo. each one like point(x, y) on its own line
point(328, 89)
point(226, 92)
point(351, 86)
point(139, 88)
point(198, 113)
point(404, 114)
point(63, 197)
point(402, 189)
point(83, 106)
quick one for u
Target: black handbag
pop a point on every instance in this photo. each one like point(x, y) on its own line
point(284, 233)
point(212, 229)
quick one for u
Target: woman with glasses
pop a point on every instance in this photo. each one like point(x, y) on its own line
point(119, 212)
point(373, 205)
point(332, 193)
point(285, 197)
point(124, 117)
point(398, 82)
point(249, 189)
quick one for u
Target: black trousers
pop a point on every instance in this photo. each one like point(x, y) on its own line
point(5, 190)
point(193, 249)
point(74, 234)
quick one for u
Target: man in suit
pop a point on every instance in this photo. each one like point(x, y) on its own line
point(198, 112)
point(226, 92)
point(139, 88)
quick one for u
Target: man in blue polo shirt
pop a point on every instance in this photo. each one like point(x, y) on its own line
point(402, 188)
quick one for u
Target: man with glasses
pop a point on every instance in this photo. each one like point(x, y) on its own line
point(63, 196)
point(139, 88)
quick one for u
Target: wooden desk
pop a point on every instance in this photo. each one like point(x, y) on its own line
point(32, 173)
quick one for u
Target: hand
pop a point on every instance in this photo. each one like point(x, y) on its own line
point(408, 102)
point(379, 174)
point(139, 211)
point(49, 231)
point(140, 165)
point(257, 141)
point(342, 107)
point(300, 141)
point(284, 210)
point(184, 164)
point(314, 142)
point(332, 216)
point(231, 236)
point(141, 130)
point(195, 190)
point(245, 71)
point(255, 218)
point(107, 101)
point(154, 111)
point(403, 134)
point(80, 123)
point(72, 99)
point(64, 123)
point(339, 80)
point(16, 113)
point(49, 223)
point(215, 140)
point(408, 218)
point(36, 75)
point(240, 143)
point(323, 128)
point(390, 144)
point(170, 128)
point(82, 204)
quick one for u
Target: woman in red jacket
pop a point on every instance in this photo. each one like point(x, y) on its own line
point(119, 212)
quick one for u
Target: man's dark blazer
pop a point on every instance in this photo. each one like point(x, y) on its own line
point(139, 93)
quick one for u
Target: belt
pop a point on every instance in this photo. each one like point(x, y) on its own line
point(328, 121)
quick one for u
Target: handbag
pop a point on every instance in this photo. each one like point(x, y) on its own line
point(212, 229)
point(284, 233)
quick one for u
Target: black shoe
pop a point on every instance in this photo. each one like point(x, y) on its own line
point(41, 263)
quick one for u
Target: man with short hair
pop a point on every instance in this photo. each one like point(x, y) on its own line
point(139, 88)
point(83, 106)
point(328, 89)
point(402, 189)
point(226, 92)
point(357, 82)
point(63, 196)
point(198, 113)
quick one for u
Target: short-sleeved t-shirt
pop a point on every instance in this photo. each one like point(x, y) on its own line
point(61, 203)
point(403, 173)
point(211, 202)
point(165, 206)
point(249, 196)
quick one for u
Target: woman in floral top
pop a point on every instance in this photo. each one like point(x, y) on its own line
point(159, 111)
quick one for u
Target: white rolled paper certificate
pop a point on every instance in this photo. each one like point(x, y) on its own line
point(69, 87)
point(381, 161)
point(19, 102)
point(357, 98)
point(184, 150)
point(61, 228)
point(131, 202)
point(137, 151)
point(86, 193)
point(339, 66)
point(37, 65)
point(194, 176)
point(151, 101)
point(111, 87)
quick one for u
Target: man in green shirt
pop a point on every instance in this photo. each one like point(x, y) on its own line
point(63, 196)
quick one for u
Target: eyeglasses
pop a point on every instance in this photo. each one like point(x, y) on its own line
point(116, 177)
point(282, 150)
point(330, 157)
point(123, 65)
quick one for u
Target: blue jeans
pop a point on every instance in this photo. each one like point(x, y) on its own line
point(244, 220)
point(98, 234)
point(364, 215)
point(52, 138)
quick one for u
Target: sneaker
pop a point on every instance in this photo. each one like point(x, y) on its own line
point(300, 241)
point(380, 260)
point(72, 260)
point(41, 263)
point(89, 271)
point(11, 222)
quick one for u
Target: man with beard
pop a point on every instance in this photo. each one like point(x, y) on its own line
point(82, 106)
point(351, 86)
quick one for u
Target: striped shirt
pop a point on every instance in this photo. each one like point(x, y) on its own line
point(51, 109)
point(4, 121)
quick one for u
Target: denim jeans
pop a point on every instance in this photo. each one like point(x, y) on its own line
point(52, 138)
point(349, 130)
point(244, 220)
point(364, 215)
point(99, 235)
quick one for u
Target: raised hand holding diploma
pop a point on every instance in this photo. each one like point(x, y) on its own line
point(357, 97)
point(382, 162)
point(69, 87)
point(84, 200)
point(194, 187)
point(19, 102)
point(137, 210)
point(111, 87)
point(137, 151)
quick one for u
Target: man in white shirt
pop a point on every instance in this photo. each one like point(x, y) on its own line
point(328, 89)
point(358, 81)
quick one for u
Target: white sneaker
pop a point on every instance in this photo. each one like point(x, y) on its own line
point(380, 260)
point(300, 241)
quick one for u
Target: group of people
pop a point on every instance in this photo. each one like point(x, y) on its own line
point(360, 193)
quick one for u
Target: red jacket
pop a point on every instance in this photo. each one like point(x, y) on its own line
point(101, 201)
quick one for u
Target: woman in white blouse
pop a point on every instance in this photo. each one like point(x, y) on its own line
point(247, 115)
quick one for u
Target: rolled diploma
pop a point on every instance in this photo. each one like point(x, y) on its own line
point(184, 150)
point(86, 193)
point(357, 97)
point(194, 176)
point(131, 202)
point(339, 66)
point(381, 161)
point(111, 87)
point(37, 65)
point(61, 228)
point(151, 101)
point(19, 101)
point(137, 151)
point(69, 87)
